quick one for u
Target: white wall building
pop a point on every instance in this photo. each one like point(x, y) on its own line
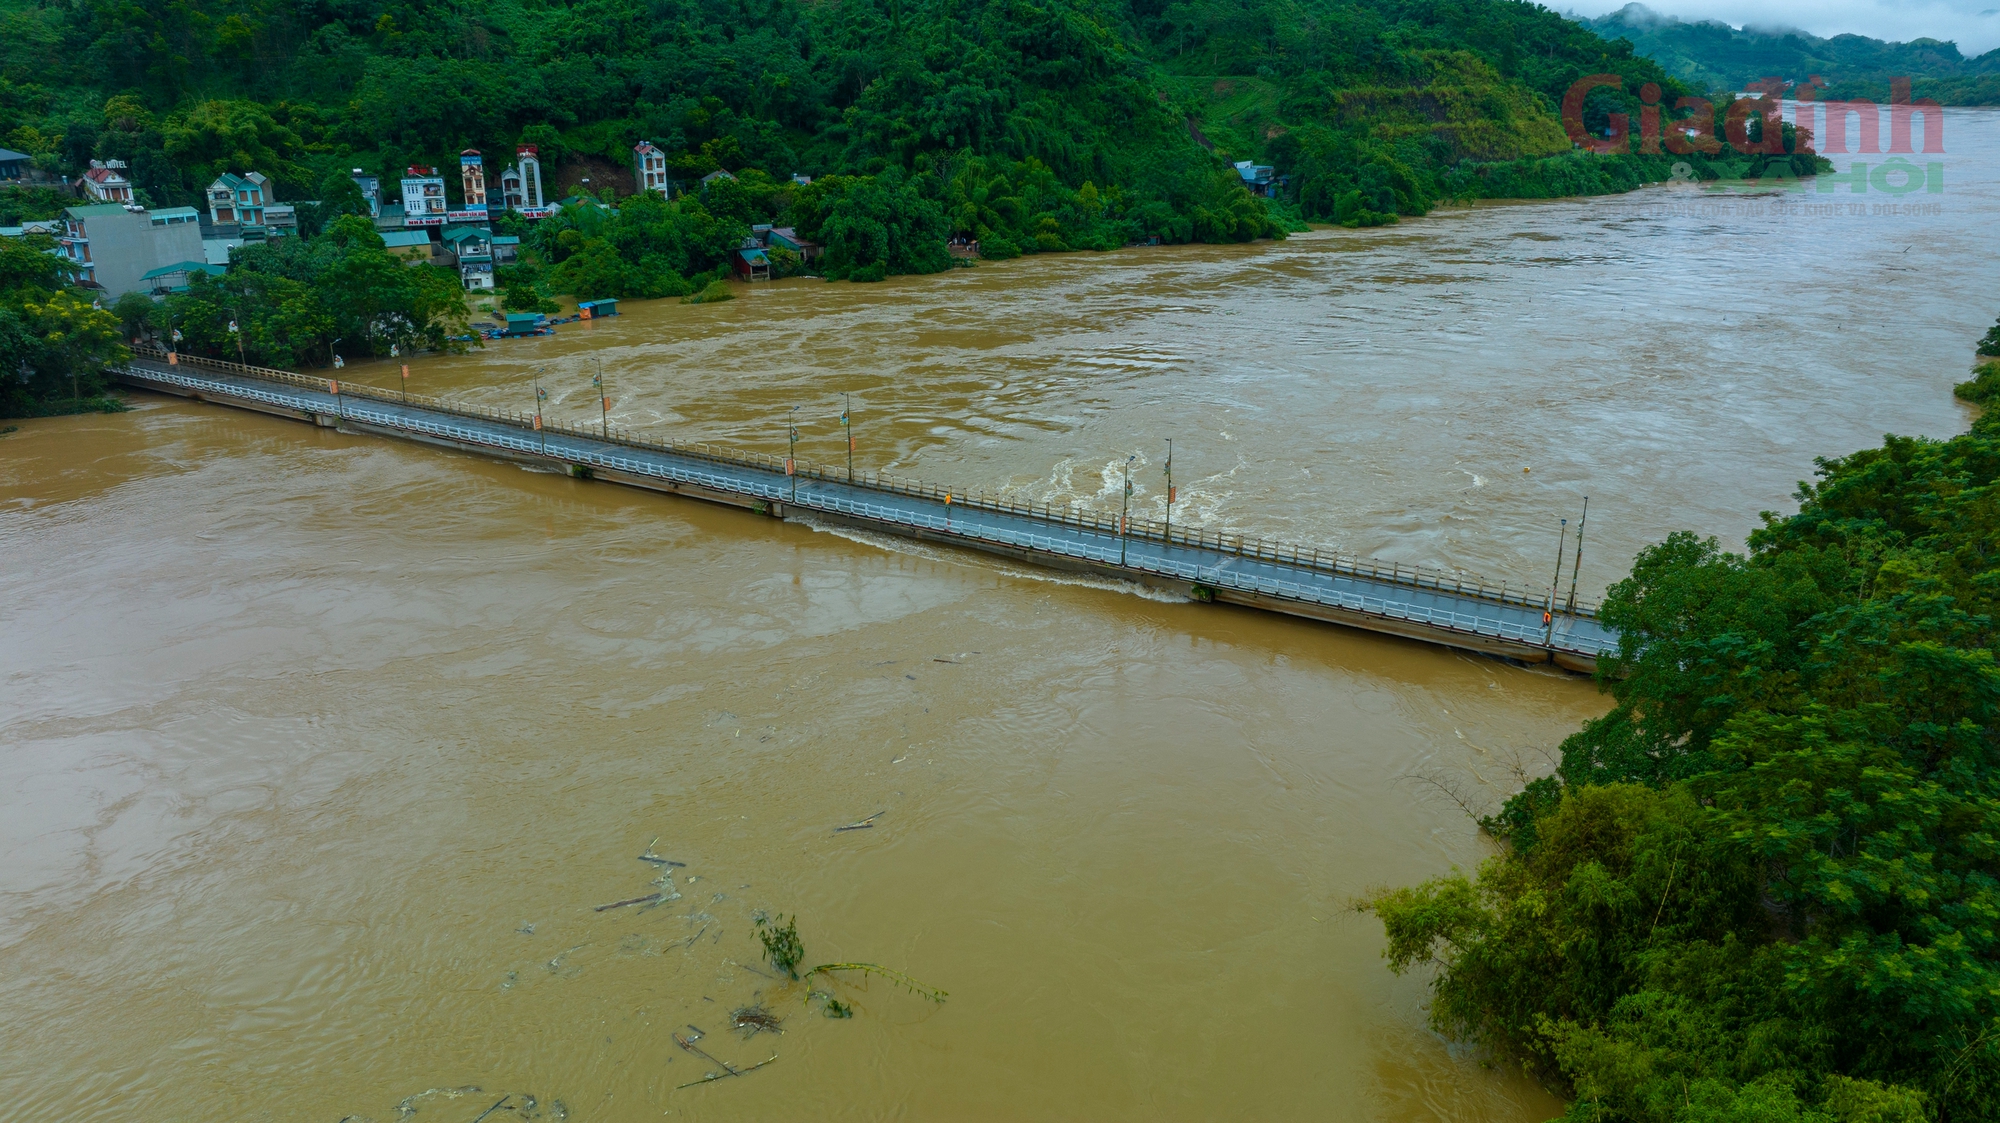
point(423, 197)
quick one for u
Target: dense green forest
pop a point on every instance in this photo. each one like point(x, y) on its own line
point(1766, 885)
point(1714, 55)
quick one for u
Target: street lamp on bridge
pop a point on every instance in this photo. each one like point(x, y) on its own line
point(1125, 513)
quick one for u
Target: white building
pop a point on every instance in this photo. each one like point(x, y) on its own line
point(105, 183)
point(423, 197)
point(521, 185)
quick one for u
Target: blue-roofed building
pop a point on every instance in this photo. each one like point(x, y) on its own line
point(14, 165)
point(1258, 178)
point(174, 278)
point(413, 246)
point(752, 264)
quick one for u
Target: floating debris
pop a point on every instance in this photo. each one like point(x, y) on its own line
point(494, 1108)
point(647, 899)
point(408, 1107)
point(863, 825)
point(728, 1069)
point(659, 861)
point(756, 1019)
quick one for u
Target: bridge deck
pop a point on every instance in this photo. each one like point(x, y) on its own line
point(1505, 625)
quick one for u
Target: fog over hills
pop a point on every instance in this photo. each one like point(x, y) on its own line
point(1716, 53)
point(1974, 25)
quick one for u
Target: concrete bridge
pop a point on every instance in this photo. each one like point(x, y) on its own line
point(1204, 566)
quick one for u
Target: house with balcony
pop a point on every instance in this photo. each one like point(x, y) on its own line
point(521, 184)
point(105, 182)
point(423, 197)
point(238, 200)
point(649, 168)
point(473, 247)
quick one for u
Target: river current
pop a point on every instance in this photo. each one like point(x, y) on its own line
point(318, 752)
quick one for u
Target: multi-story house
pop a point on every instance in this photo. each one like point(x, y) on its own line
point(423, 197)
point(521, 184)
point(649, 168)
point(472, 247)
point(238, 200)
point(472, 180)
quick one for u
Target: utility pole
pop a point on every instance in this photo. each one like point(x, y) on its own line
point(792, 461)
point(1125, 513)
point(603, 400)
point(1579, 555)
point(847, 426)
point(238, 333)
point(1170, 489)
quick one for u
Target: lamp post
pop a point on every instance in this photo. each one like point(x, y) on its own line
point(238, 333)
point(792, 461)
point(1571, 608)
point(1124, 514)
point(603, 402)
point(847, 427)
point(541, 396)
point(1170, 490)
point(1549, 613)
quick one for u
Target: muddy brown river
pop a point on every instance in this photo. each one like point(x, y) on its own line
point(318, 752)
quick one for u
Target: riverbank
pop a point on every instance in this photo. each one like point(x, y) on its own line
point(329, 734)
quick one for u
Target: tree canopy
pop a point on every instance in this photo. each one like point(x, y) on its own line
point(1766, 885)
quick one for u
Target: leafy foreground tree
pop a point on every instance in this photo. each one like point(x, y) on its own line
point(1766, 885)
point(299, 302)
point(54, 343)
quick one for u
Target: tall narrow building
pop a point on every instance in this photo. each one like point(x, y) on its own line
point(472, 179)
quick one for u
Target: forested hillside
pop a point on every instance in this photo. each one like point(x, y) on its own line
point(1715, 55)
point(1381, 106)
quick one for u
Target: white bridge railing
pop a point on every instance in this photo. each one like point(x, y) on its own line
point(1318, 588)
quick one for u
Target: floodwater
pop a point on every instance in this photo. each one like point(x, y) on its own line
point(318, 752)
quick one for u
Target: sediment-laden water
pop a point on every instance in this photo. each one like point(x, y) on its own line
point(319, 751)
